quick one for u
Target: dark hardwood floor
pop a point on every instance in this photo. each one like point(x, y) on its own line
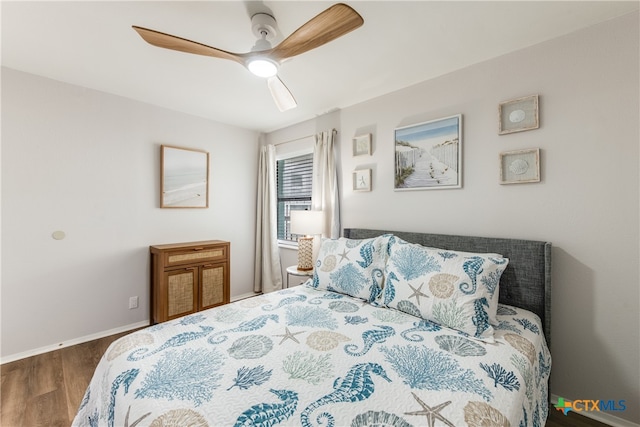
point(46, 390)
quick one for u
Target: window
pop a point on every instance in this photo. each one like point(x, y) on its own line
point(294, 176)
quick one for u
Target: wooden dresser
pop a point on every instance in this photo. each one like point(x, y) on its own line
point(188, 277)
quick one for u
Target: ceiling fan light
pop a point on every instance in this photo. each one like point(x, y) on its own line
point(263, 67)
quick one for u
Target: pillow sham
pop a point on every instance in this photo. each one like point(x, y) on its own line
point(459, 290)
point(353, 267)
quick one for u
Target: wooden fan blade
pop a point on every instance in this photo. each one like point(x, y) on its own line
point(281, 94)
point(334, 22)
point(168, 41)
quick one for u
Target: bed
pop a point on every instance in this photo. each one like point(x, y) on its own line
point(394, 329)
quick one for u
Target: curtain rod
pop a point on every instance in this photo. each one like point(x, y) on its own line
point(298, 139)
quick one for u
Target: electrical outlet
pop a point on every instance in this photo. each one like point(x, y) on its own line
point(133, 303)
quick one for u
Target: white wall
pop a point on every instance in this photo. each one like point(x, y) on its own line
point(87, 163)
point(587, 204)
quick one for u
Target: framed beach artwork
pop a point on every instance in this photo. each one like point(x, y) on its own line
point(428, 155)
point(185, 178)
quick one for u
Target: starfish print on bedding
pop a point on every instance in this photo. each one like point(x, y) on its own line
point(432, 414)
point(417, 293)
point(344, 256)
point(288, 335)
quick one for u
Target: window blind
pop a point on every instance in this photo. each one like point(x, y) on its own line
point(294, 180)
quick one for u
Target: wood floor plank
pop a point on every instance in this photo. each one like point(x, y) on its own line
point(47, 410)
point(45, 374)
point(78, 365)
point(14, 395)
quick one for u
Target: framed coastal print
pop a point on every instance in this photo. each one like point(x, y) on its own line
point(517, 167)
point(518, 115)
point(428, 155)
point(362, 144)
point(184, 178)
point(362, 180)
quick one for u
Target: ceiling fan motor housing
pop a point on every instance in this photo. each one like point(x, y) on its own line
point(263, 25)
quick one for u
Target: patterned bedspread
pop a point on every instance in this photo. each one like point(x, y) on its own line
point(306, 357)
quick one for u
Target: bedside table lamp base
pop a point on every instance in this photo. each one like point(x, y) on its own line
point(305, 253)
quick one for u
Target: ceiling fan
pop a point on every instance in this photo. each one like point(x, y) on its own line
point(263, 60)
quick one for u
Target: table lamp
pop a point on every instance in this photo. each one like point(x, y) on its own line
point(306, 224)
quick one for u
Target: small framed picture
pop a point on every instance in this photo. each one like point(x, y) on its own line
point(362, 144)
point(517, 167)
point(362, 180)
point(518, 115)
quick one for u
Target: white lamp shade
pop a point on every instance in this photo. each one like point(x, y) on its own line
point(307, 223)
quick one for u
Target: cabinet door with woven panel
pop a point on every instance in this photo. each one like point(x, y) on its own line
point(213, 286)
point(182, 292)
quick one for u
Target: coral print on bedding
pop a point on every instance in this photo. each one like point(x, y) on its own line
point(311, 358)
point(352, 267)
point(454, 289)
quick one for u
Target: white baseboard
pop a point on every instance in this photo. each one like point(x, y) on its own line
point(603, 417)
point(87, 338)
point(75, 341)
point(245, 296)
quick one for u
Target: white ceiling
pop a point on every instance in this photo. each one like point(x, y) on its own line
point(92, 44)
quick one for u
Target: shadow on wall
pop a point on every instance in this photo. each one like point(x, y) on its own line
point(580, 357)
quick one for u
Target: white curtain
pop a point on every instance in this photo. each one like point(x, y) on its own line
point(325, 183)
point(268, 275)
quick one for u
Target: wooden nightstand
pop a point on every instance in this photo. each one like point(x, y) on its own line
point(293, 271)
point(188, 277)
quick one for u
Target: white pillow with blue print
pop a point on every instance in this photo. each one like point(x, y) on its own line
point(353, 267)
point(459, 290)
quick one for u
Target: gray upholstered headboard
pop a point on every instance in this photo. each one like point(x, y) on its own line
point(525, 283)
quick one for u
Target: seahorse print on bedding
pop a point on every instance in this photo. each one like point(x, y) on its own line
point(327, 296)
point(124, 379)
point(473, 267)
point(480, 317)
point(356, 386)
point(419, 326)
point(270, 414)
point(175, 341)
point(369, 338)
point(366, 252)
point(248, 326)
point(283, 302)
